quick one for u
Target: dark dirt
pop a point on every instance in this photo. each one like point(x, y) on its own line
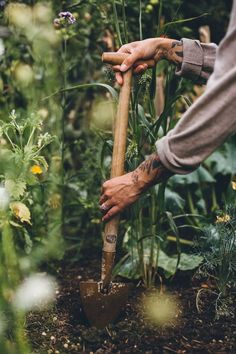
point(63, 329)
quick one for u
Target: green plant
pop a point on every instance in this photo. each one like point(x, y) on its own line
point(217, 246)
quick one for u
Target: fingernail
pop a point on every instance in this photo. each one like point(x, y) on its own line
point(123, 67)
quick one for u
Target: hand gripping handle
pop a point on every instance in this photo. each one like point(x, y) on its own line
point(115, 58)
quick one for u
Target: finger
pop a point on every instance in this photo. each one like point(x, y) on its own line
point(106, 206)
point(102, 199)
point(112, 212)
point(130, 60)
point(140, 69)
point(119, 78)
point(116, 68)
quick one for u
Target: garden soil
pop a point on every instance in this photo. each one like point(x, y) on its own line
point(63, 328)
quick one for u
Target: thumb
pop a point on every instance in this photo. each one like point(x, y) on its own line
point(129, 61)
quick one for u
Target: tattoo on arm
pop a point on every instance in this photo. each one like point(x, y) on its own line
point(154, 170)
point(175, 53)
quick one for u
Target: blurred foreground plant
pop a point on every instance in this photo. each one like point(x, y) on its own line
point(217, 246)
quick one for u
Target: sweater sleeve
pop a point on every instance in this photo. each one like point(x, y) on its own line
point(198, 60)
point(211, 119)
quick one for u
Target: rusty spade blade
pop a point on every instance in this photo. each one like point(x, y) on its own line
point(100, 308)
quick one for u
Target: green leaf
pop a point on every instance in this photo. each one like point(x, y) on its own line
point(128, 267)
point(85, 86)
point(28, 242)
point(187, 262)
point(201, 175)
point(15, 188)
point(174, 201)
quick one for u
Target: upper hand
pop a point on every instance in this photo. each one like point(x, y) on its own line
point(151, 48)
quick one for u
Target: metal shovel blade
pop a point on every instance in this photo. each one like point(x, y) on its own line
point(103, 309)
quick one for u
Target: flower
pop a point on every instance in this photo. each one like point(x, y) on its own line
point(36, 170)
point(55, 201)
point(2, 3)
point(67, 16)
point(4, 198)
point(21, 211)
point(36, 291)
point(222, 218)
point(233, 185)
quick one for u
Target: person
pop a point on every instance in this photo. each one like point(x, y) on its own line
point(201, 130)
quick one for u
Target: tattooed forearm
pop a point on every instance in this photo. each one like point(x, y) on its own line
point(175, 53)
point(150, 172)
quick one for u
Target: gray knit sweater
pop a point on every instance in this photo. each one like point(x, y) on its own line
point(212, 118)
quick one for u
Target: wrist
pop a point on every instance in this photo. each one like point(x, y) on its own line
point(149, 173)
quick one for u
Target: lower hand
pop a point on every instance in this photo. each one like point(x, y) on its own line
point(120, 192)
point(117, 194)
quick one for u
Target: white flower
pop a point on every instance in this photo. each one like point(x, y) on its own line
point(4, 198)
point(2, 48)
point(36, 292)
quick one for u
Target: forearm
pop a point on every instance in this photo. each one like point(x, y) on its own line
point(120, 192)
point(169, 49)
point(211, 119)
point(150, 172)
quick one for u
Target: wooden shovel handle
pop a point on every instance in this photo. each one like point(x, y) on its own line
point(115, 58)
point(118, 159)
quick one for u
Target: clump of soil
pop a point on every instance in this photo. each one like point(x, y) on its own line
point(64, 329)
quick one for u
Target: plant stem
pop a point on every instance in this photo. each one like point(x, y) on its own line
point(140, 21)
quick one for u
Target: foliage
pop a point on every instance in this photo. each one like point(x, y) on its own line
point(217, 246)
point(57, 108)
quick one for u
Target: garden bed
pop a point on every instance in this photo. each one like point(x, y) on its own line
point(63, 329)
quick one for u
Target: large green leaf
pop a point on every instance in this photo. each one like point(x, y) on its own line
point(187, 262)
point(222, 161)
point(201, 175)
point(174, 202)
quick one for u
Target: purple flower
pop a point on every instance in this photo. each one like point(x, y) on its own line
point(67, 16)
point(2, 3)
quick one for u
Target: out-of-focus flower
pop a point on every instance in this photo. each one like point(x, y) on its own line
point(42, 13)
point(4, 198)
point(233, 185)
point(67, 16)
point(55, 201)
point(24, 74)
point(87, 16)
point(64, 19)
point(2, 3)
point(160, 309)
point(36, 170)
point(43, 113)
point(2, 48)
point(21, 211)
point(3, 141)
point(222, 218)
point(19, 15)
point(57, 23)
point(36, 292)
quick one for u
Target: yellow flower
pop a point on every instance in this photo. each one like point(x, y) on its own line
point(233, 185)
point(36, 170)
point(222, 218)
point(21, 211)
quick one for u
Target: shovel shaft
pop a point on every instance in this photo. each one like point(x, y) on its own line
point(118, 159)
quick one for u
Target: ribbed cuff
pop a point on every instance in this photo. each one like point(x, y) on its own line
point(192, 60)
